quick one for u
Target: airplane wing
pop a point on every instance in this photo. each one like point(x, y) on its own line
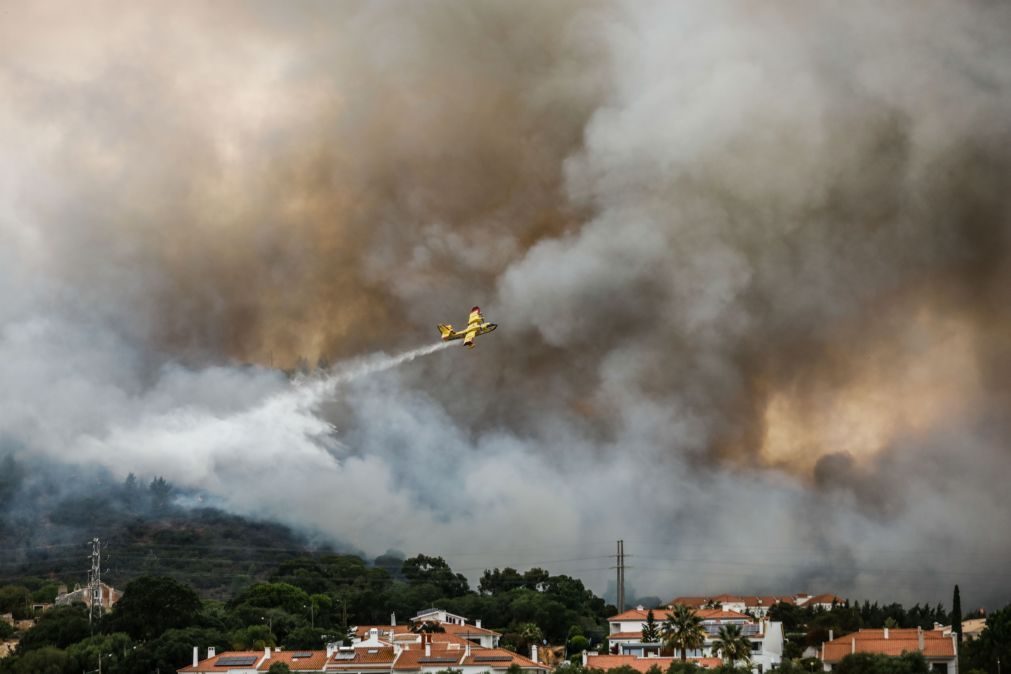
point(475, 317)
point(468, 337)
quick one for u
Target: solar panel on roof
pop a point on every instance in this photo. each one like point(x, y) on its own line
point(438, 659)
point(301, 654)
point(492, 658)
point(373, 650)
point(344, 656)
point(236, 661)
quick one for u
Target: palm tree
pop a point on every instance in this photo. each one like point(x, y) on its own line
point(732, 645)
point(683, 630)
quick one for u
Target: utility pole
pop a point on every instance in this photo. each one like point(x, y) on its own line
point(620, 566)
point(95, 581)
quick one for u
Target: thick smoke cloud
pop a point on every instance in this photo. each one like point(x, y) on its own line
point(751, 266)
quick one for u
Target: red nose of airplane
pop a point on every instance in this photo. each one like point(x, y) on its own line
point(476, 309)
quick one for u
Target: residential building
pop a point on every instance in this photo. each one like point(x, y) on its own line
point(391, 649)
point(758, 605)
point(110, 596)
point(766, 636)
point(937, 646)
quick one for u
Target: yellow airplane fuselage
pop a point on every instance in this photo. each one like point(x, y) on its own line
point(476, 325)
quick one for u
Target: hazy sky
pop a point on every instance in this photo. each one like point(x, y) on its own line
point(750, 265)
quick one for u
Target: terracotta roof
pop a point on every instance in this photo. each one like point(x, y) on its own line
point(411, 659)
point(935, 644)
point(465, 630)
point(313, 663)
point(694, 602)
point(720, 614)
point(894, 633)
point(635, 614)
point(644, 664)
point(209, 665)
point(824, 599)
point(661, 614)
point(363, 656)
point(477, 653)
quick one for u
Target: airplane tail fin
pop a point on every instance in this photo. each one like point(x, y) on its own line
point(445, 331)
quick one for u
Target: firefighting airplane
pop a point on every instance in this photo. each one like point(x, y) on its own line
point(476, 325)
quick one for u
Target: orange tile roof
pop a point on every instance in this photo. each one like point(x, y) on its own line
point(644, 664)
point(894, 633)
point(935, 645)
point(720, 614)
point(635, 614)
point(209, 665)
point(471, 630)
point(363, 656)
point(694, 602)
point(411, 659)
point(514, 659)
point(313, 663)
point(824, 599)
point(661, 614)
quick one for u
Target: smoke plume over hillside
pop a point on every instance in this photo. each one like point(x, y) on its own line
point(750, 263)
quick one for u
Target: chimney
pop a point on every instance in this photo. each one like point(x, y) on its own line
point(393, 620)
point(428, 649)
point(831, 634)
point(886, 633)
point(329, 651)
point(584, 658)
point(919, 637)
point(533, 652)
point(477, 623)
point(466, 650)
point(266, 652)
point(196, 656)
point(212, 651)
point(853, 645)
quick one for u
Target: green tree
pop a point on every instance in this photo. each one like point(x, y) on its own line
point(732, 645)
point(279, 668)
point(875, 663)
point(151, 605)
point(304, 638)
point(956, 614)
point(578, 644)
point(683, 631)
point(650, 631)
point(58, 627)
point(993, 643)
point(47, 660)
point(423, 569)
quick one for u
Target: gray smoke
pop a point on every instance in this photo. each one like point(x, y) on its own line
point(750, 265)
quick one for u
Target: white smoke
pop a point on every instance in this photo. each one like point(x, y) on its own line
point(750, 265)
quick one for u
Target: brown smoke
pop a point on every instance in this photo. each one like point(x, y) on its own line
point(759, 243)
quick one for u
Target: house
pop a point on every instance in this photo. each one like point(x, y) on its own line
point(766, 636)
point(937, 646)
point(818, 601)
point(109, 594)
point(758, 605)
point(438, 615)
point(7, 647)
point(387, 651)
point(971, 629)
point(458, 629)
